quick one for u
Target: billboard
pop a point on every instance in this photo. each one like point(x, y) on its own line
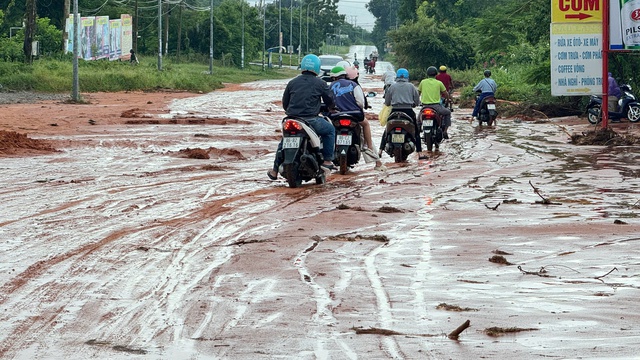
point(101, 37)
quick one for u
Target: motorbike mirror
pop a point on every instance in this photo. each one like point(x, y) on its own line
point(372, 94)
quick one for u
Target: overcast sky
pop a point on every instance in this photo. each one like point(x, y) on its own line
point(355, 11)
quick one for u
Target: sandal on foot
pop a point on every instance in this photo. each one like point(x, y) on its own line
point(328, 167)
point(271, 176)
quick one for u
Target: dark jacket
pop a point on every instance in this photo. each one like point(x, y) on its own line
point(304, 94)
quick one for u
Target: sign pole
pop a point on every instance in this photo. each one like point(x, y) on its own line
point(604, 109)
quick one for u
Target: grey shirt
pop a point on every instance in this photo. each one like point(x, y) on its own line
point(486, 85)
point(402, 95)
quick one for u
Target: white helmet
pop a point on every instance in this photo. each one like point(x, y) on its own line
point(344, 63)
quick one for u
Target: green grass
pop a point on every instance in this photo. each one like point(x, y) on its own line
point(56, 76)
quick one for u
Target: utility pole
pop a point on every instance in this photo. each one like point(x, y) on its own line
point(242, 50)
point(75, 96)
point(65, 16)
point(159, 35)
point(29, 30)
point(134, 43)
point(179, 29)
point(290, 31)
point(300, 36)
point(264, 31)
point(280, 31)
point(166, 32)
point(211, 40)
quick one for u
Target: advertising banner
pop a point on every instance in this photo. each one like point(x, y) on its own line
point(576, 59)
point(102, 37)
point(87, 38)
point(115, 39)
point(127, 33)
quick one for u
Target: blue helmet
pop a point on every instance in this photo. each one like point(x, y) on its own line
point(311, 63)
point(402, 73)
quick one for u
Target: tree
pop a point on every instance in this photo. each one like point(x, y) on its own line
point(425, 42)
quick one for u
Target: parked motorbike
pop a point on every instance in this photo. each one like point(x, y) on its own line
point(432, 133)
point(628, 107)
point(488, 112)
point(301, 153)
point(349, 139)
point(401, 136)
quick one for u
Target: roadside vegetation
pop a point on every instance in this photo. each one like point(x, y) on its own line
point(56, 76)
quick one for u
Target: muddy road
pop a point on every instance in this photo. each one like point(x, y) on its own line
point(121, 246)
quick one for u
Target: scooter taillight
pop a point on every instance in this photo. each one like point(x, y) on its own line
point(490, 101)
point(345, 122)
point(292, 125)
point(428, 113)
point(398, 129)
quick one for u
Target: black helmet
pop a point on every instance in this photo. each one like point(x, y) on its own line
point(432, 71)
point(487, 73)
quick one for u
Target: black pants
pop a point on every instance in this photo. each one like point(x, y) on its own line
point(412, 115)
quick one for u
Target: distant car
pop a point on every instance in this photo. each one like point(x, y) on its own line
point(327, 62)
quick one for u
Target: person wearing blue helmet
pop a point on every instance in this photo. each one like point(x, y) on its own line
point(302, 98)
point(403, 96)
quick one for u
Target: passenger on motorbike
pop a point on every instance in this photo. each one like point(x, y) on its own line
point(445, 78)
point(431, 90)
point(389, 77)
point(350, 99)
point(302, 98)
point(487, 87)
point(403, 96)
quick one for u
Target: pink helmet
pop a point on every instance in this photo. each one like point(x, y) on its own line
point(352, 72)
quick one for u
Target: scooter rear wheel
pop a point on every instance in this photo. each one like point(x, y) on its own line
point(397, 155)
point(428, 140)
point(343, 164)
point(292, 176)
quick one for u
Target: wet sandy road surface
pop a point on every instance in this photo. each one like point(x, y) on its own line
point(118, 248)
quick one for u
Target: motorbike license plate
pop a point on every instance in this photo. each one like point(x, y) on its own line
point(397, 138)
point(491, 106)
point(427, 123)
point(291, 142)
point(343, 139)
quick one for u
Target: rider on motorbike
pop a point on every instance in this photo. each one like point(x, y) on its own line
point(486, 87)
point(614, 93)
point(302, 98)
point(431, 90)
point(350, 99)
point(403, 96)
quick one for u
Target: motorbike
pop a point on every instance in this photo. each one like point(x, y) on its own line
point(432, 133)
point(487, 112)
point(401, 136)
point(349, 139)
point(301, 153)
point(627, 105)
